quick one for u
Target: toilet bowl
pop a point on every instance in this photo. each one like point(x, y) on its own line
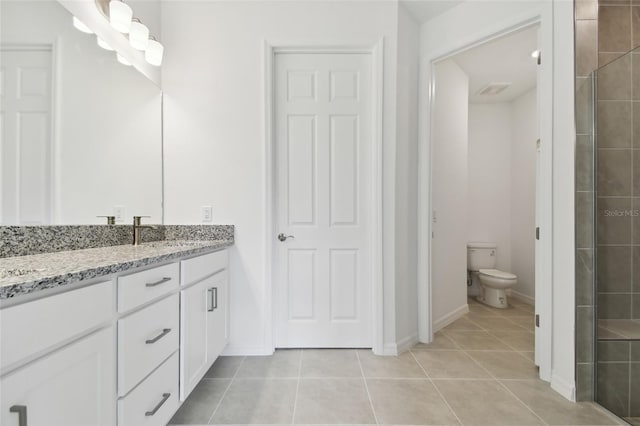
point(481, 260)
point(493, 284)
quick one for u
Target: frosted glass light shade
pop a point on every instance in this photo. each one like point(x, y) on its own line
point(123, 60)
point(81, 26)
point(104, 44)
point(154, 53)
point(138, 35)
point(120, 15)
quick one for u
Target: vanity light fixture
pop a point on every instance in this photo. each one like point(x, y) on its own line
point(104, 44)
point(81, 26)
point(120, 15)
point(122, 60)
point(154, 52)
point(138, 35)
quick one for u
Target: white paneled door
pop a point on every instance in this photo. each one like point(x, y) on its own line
point(323, 188)
point(25, 137)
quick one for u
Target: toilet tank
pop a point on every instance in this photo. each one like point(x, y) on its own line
point(481, 256)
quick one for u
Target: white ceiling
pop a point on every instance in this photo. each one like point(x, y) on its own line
point(423, 10)
point(506, 59)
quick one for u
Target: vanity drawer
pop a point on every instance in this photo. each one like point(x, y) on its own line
point(196, 268)
point(145, 339)
point(141, 287)
point(156, 399)
point(32, 327)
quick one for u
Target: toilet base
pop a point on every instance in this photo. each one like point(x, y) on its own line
point(496, 298)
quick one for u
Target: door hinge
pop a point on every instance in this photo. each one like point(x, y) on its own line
point(538, 233)
point(538, 320)
point(539, 58)
point(538, 144)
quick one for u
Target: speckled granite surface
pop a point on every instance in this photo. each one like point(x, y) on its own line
point(29, 240)
point(199, 232)
point(27, 274)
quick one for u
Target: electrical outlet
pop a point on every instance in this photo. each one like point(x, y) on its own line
point(118, 212)
point(207, 214)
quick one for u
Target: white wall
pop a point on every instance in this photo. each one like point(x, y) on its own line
point(502, 183)
point(489, 204)
point(407, 181)
point(107, 141)
point(523, 191)
point(449, 162)
point(213, 81)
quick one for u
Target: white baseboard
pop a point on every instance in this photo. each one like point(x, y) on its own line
point(407, 343)
point(563, 387)
point(523, 298)
point(247, 350)
point(389, 349)
point(444, 321)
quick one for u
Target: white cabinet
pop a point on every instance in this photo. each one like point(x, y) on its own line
point(204, 324)
point(217, 320)
point(35, 327)
point(74, 386)
point(145, 339)
point(155, 400)
point(58, 354)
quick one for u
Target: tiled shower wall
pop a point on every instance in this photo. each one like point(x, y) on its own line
point(604, 33)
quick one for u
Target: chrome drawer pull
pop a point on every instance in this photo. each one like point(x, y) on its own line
point(22, 413)
point(162, 281)
point(215, 299)
point(165, 396)
point(158, 337)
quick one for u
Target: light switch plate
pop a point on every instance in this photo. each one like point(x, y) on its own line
point(207, 214)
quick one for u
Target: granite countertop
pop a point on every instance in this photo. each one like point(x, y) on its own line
point(22, 275)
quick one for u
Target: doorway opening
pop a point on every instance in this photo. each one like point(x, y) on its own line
point(487, 195)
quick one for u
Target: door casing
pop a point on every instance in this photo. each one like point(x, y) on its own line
point(377, 54)
point(544, 247)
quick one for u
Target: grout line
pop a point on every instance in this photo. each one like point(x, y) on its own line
point(366, 387)
point(509, 390)
point(295, 400)
point(226, 390)
point(436, 388)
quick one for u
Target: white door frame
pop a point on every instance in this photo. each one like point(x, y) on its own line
point(544, 263)
point(377, 54)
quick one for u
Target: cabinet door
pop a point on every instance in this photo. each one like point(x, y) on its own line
point(74, 386)
point(193, 336)
point(217, 334)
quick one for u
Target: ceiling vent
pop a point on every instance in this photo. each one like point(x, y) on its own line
point(493, 89)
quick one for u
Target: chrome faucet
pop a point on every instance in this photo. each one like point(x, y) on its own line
point(137, 227)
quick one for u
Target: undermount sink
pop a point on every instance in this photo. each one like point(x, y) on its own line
point(16, 272)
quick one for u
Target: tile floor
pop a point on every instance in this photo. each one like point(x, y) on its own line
point(478, 371)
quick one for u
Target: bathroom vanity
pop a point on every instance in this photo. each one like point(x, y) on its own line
point(110, 335)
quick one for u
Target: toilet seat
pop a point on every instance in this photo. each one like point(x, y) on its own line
point(496, 273)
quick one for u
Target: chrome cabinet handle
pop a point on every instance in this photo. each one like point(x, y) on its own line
point(162, 281)
point(165, 396)
point(158, 337)
point(22, 413)
point(283, 237)
point(213, 299)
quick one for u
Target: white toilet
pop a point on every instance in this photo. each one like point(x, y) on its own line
point(481, 261)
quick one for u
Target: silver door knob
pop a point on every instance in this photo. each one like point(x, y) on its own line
point(283, 237)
